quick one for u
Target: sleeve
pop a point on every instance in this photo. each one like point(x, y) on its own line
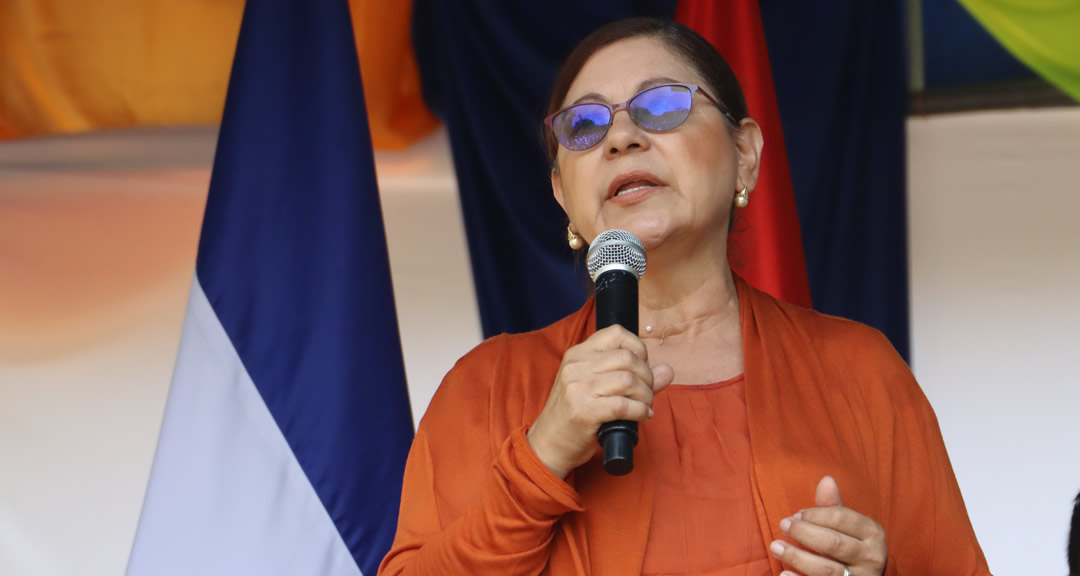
point(927, 528)
point(466, 512)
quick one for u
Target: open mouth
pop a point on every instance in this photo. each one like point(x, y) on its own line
point(632, 182)
point(633, 187)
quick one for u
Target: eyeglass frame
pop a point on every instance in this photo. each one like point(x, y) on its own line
point(613, 108)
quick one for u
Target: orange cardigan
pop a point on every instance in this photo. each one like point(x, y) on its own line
point(823, 396)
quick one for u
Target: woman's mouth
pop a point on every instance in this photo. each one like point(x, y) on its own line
point(632, 187)
point(633, 184)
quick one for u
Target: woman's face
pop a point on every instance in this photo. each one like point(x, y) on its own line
point(681, 182)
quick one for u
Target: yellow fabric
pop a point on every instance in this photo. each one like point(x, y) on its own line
point(74, 66)
point(1044, 34)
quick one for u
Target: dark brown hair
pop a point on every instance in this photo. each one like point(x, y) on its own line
point(1074, 539)
point(720, 81)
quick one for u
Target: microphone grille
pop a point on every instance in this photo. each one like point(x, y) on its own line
point(616, 249)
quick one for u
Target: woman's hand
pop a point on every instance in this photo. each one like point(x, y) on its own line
point(606, 377)
point(835, 538)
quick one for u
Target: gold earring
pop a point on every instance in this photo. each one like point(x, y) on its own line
point(742, 198)
point(575, 241)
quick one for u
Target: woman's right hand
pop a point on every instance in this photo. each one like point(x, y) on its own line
point(607, 377)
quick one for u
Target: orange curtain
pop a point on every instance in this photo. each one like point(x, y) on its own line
point(76, 66)
point(396, 110)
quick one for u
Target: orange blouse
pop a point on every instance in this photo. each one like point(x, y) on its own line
point(824, 396)
point(703, 518)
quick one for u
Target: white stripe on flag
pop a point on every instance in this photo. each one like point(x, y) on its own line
point(227, 495)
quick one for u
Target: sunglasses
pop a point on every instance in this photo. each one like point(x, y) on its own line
point(657, 109)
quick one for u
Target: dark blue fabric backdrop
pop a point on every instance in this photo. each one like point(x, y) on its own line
point(839, 68)
point(960, 51)
point(487, 68)
point(840, 74)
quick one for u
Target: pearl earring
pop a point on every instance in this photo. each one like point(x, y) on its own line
point(742, 198)
point(575, 241)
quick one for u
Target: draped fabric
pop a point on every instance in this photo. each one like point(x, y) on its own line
point(1044, 34)
point(396, 111)
point(487, 68)
point(765, 247)
point(839, 69)
point(959, 52)
point(704, 519)
point(77, 66)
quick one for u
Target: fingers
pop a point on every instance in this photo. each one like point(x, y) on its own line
point(621, 359)
point(620, 408)
point(839, 519)
point(663, 376)
point(612, 350)
point(806, 563)
point(611, 388)
point(623, 383)
point(822, 540)
point(614, 337)
point(827, 493)
point(606, 377)
point(830, 537)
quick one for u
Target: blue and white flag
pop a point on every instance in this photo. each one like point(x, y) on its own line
point(288, 421)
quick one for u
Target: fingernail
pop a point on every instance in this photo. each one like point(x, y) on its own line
point(798, 515)
point(652, 413)
point(785, 525)
point(777, 548)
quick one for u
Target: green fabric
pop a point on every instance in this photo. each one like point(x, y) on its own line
point(1044, 34)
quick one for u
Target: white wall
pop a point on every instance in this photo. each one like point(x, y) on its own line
point(433, 287)
point(97, 244)
point(995, 277)
point(97, 248)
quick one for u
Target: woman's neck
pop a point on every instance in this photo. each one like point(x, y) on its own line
point(687, 295)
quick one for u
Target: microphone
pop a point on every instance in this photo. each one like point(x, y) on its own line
point(616, 262)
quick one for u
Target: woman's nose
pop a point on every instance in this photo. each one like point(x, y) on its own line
point(624, 135)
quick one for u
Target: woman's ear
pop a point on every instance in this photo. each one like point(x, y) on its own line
point(556, 188)
point(748, 144)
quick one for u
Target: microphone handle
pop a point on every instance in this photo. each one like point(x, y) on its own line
point(617, 303)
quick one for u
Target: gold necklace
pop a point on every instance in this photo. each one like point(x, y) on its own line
point(663, 333)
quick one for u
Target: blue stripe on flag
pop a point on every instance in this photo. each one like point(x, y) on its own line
point(293, 260)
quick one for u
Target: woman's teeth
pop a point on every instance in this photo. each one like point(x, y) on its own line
point(635, 188)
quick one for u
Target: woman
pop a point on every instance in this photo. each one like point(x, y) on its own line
point(772, 438)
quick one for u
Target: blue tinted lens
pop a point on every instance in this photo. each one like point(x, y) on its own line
point(582, 126)
point(662, 108)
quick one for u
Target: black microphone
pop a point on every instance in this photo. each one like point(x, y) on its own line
point(616, 261)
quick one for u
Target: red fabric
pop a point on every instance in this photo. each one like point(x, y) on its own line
point(766, 246)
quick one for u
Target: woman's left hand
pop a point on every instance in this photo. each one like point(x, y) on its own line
point(835, 538)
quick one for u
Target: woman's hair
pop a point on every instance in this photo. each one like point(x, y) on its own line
point(720, 81)
point(1074, 539)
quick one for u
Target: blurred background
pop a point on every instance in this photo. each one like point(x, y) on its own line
point(934, 157)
